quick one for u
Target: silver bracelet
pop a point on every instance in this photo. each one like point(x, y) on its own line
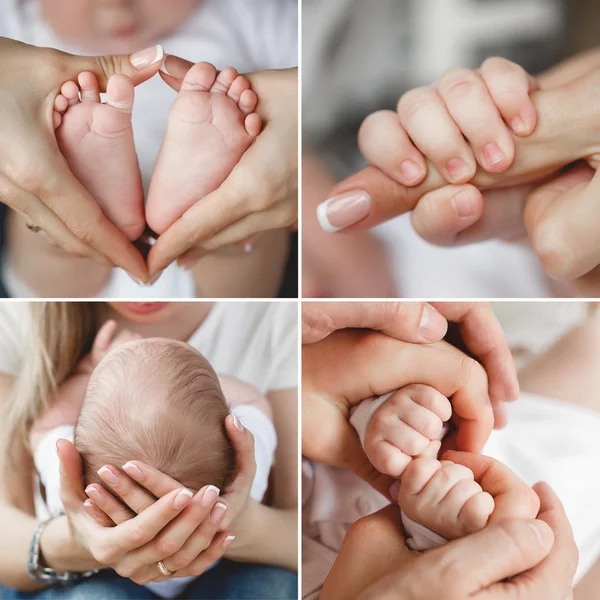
point(38, 571)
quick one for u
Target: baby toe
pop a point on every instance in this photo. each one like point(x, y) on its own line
point(199, 78)
point(240, 85)
point(253, 124)
point(248, 101)
point(56, 119)
point(61, 104)
point(70, 91)
point(120, 93)
point(224, 80)
point(89, 87)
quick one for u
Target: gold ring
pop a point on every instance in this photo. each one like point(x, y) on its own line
point(161, 567)
point(33, 227)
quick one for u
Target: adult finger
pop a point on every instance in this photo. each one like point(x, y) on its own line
point(97, 514)
point(139, 66)
point(72, 492)
point(484, 338)
point(144, 527)
point(132, 494)
point(207, 558)
point(109, 505)
point(501, 550)
point(562, 218)
point(513, 498)
point(440, 216)
point(384, 143)
point(510, 87)
point(416, 322)
point(153, 480)
point(104, 336)
point(174, 70)
point(551, 578)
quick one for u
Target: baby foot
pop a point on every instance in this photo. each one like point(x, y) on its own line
point(97, 142)
point(444, 497)
point(210, 126)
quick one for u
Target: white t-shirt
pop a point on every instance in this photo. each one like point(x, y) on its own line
point(250, 36)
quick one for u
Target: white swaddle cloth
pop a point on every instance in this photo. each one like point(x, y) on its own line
point(47, 466)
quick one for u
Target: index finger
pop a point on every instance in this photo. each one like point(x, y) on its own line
point(484, 338)
point(416, 322)
point(82, 215)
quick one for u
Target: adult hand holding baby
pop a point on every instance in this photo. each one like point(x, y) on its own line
point(34, 178)
point(157, 520)
point(528, 556)
point(261, 191)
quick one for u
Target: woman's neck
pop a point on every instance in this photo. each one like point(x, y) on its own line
point(183, 320)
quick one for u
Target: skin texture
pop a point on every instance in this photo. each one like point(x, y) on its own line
point(35, 179)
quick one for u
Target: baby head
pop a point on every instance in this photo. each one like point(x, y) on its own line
point(157, 401)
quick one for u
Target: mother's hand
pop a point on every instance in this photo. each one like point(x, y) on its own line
point(35, 179)
point(261, 193)
point(158, 520)
point(349, 366)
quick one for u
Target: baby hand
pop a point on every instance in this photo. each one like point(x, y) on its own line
point(407, 425)
point(432, 123)
point(106, 340)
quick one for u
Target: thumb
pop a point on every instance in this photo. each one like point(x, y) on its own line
point(499, 551)
point(72, 492)
point(139, 66)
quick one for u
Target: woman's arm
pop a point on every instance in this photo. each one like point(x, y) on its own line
point(266, 535)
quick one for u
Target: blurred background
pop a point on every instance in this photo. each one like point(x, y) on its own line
point(359, 57)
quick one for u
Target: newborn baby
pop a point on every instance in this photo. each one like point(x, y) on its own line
point(157, 401)
point(440, 500)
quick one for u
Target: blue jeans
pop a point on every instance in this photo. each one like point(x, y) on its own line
point(226, 581)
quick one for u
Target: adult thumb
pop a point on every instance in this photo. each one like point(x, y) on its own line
point(139, 66)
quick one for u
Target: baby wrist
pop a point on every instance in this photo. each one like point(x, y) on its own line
point(420, 538)
point(362, 414)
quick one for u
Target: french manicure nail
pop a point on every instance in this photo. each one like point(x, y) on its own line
point(107, 475)
point(182, 498)
point(218, 512)
point(459, 170)
point(493, 155)
point(136, 280)
point(147, 56)
point(93, 492)
point(228, 540)
point(88, 503)
point(463, 203)
point(156, 278)
point(133, 470)
point(210, 494)
point(236, 423)
point(432, 326)
point(175, 66)
point(411, 171)
point(340, 212)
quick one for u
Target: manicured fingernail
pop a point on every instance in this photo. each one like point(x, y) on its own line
point(93, 492)
point(463, 203)
point(182, 498)
point(543, 534)
point(340, 212)
point(236, 423)
point(432, 326)
point(459, 170)
point(228, 540)
point(132, 470)
point(107, 475)
point(147, 56)
point(155, 278)
point(411, 171)
point(518, 125)
point(218, 512)
point(493, 155)
point(394, 490)
point(175, 66)
point(136, 280)
point(88, 504)
point(210, 495)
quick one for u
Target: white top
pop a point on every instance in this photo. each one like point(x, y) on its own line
point(250, 36)
point(255, 342)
